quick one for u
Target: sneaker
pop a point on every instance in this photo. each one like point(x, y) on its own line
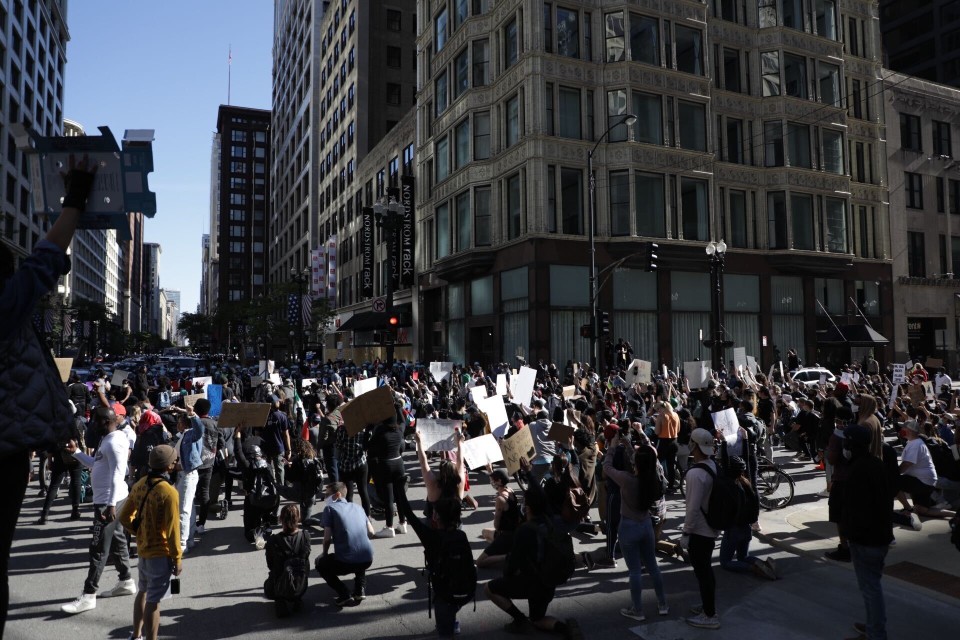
point(587, 560)
point(133, 637)
point(663, 609)
point(915, 522)
point(258, 540)
point(343, 601)
point(704, 621)
point(75, 515)
point(456, 627)
point(606, 563)
point(42, 520)
point(840, 554)
point(755, 527)
point(823, 494)
point(359, 597)
point(761, 569)
point(42, 493)
point(401, 528)
point(386, 532)
point(200, 530)
point(85, 602)
point(123, 588)
point(696, 609)
point(630, 612)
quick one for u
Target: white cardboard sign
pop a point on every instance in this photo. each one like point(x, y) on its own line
point(899, 373)
point(118, 377)
point(478, 393)
point(441, 370)
point(739, 357)
point(698, 373)
point(523, 385)
point(496, 414)
point(501, 384)
point(726, 422)
point(363, 386)
point(638, 372)
point(479, 452)
point(438, 435)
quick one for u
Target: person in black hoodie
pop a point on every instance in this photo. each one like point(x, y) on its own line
point(290, 542)
point(384, 452)
point(867, 522)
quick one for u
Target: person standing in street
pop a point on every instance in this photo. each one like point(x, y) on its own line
point(108, 469)
point(699, 538)
point(189, 457)
point(867, 521)
point(152, 514)
point(213, 443)
point(276, 441)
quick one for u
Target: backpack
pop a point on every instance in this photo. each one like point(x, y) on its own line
point(654, 485)
point(453, 574)
point(942, 457)
point(555, 558)
point(727, 500)
point(292, 581)
point(576, 505)
point(263, 495)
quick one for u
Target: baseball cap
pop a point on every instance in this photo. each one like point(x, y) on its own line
point(912, 426)
point(703, 439)
point(162, 456)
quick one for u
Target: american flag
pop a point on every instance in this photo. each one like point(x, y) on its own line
point(292, 309)
point(307, 309)
point(67, 326)
point(48, 317)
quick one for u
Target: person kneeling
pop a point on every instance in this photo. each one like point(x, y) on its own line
point(347, 527)
point(288, 555)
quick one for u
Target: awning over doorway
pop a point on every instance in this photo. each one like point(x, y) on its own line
point(852, 334)
point(372, 320)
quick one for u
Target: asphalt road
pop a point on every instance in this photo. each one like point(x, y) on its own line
point(222, 585)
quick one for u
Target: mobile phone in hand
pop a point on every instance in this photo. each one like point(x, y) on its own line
point(175, 586)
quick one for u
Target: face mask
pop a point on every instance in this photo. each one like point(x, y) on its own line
point(848, 454)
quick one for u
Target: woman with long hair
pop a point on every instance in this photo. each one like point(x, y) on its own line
point(506, 518)
point(448, 479)
point(867, 417)
point(386, 466)
point(668, 430)
point(305, 475)
point(290, 542)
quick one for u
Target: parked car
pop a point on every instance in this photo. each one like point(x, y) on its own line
point(810, 376)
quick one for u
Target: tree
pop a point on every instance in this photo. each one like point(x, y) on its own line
point(196, 328)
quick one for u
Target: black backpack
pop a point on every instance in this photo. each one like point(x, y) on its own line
point(555, 559)
point(292, 581)
point(727, 500)
point(653, 485)
point(453, 574)
point(263, 494)
point(942, 457)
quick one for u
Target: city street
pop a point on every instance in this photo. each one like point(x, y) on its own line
point(222, 582)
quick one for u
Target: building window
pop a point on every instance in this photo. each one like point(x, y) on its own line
point(692, 126)
point(773, 143)
point(461, 69)
point(731, 70)
point(440, 30)
point(738, 218)
point(792, 14)
point(770, 73)
point(833, 151)
point(777, 220)
point(393, 93)
point(616, 109)
point(795, 75)
point(481, 135)
point(826, 18)
point(483, 223)
point(464, 222)
point(913, 186)
point(462, 142)
point(695, 209)
point(514, 207)
point(440, 92)
point(569, 109)
point(513, 121)
point(916, 255)
point(571, 195)
point(481, 63)
point(649, 111)
point(652, 216)
point(910, 137)
point(644, 39)
point(393, 57)
point(836, 219)
point(620, 203)
point(829, 81)
point(511, 44)
point(798, 145)
point(443, 158)
point(443, 230)
point(394, 20)
point(613, 32)
point(953, 195)
point(941, 139)
point(801, 211)
point(735, 141)
point(689, 50)
point(461, 11)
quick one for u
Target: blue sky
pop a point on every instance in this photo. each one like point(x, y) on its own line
point(163, 65)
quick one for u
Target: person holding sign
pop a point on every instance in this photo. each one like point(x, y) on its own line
point(668, 428)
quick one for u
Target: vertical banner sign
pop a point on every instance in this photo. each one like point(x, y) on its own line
point(393, 193)
point(317, 274)
point(332, 272)
point(366, 252)
point(406, 231)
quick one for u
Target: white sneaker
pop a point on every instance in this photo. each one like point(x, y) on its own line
point(823, 494)
point(915, 522)
point(85, 602)
point(386, 532)
point(630, 612)
point(663, 609)
point(258, 540)
point(703, 621)
point(401, 528)
point(122, 588)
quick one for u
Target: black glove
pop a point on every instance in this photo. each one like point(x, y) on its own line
point(78, 185)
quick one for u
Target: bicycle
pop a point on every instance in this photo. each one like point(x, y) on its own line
point(775, 487)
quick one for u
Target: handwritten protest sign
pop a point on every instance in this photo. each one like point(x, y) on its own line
point(118, 377)
point(638, 373)
point(440, 370)
point(523, 385)
point(438, 435)
point(306, 383)
point(846, 378)
point(191, 400)
point(917, 394)
point(265, 368)
point(726, 422)
point(899, 373)
point(479, 452)
point(361, 387)
point(501, 384)
point(698, 373)
point(561, 432)
point(275, 378)
point(569, 392)
point(752, 366)
point(893, 396)
point(244, 414)
point(739, 357)
point(370, 408)
point(933, 363)
point(519, 445)
point(496, 415)
point(63, 366)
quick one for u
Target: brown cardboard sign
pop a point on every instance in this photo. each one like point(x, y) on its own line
point(191, 400)
point(917, 394)
point(370, 408)
point(63, 366)
point(519, 445)
point(561, 432)
point(249, 415)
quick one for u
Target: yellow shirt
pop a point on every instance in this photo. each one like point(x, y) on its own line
point(159, 532)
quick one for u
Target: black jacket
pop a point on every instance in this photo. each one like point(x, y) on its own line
point(867, 511)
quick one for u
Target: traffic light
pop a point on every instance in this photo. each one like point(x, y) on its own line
point(650, 253)
point(394, 320)
point(586, 331)
point(603, 323)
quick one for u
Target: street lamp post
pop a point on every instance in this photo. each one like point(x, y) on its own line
point(718, 340)
point(300, 277)
point(628, 119)
point(387, 215)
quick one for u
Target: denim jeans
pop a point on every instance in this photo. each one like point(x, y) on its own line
point(868, 565)
point(639, 547)
point(187, 488)
point(734, 548)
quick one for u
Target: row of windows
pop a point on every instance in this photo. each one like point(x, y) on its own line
point(947, 192)
point(917, 256)
point(911, 135)
point(450, 17)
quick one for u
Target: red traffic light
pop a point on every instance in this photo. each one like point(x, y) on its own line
point(394, 321)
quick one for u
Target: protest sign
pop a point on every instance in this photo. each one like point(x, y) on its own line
point(438, 435)
point(191, 400)
point(917, 394)
point(726, 422)
point(496, 414)
point(893, 396)
point(215, 396)
point(569, 392)
point(306, 383)
point(638, 372)
point(440, 370)
point(823, 379)
point(265, 368)
point(899, 373)
point(561, 432)
point(479, 452)
point(478, 393)
point(698, 373)
point(519, 445)
point(249, 415)
point(933, 363)
point(739, 357)
point(856, 377)
point(370, 408)
point(118, 377)
point(523, 385)
point(501, 384)
point(929, 391)
point(361, 387)
point(63, 366)
point(845, 377)
point(752, 366)
point(204, 380)
point(275, 378)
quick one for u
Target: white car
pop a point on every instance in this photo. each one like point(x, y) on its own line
point(810, 376)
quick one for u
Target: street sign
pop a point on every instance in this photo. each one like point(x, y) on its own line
point(379, 305)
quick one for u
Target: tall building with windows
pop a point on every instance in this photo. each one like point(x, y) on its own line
point(344, 75)
point(33, 43)
point(238, 231)
point(757, 125)
point(922, 38)
point(153, 306)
